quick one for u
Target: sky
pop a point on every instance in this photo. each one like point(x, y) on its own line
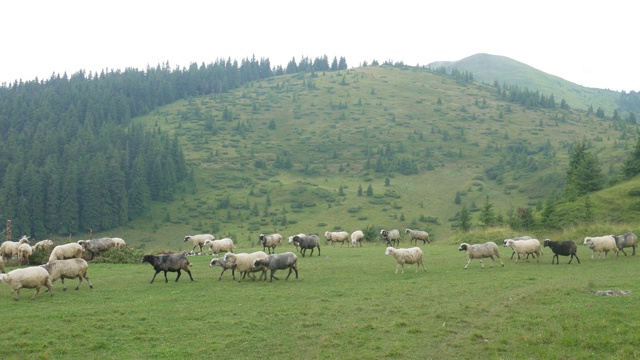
point(590, 43)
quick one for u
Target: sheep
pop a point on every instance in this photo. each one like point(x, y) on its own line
point(406, 256)
point(96, 246)
point(244, 263)
point(118, 242)
point(525, 247)
point(44, 244)
point(517, 239)
point(601, 244)
point(225, 265)
point(391, 236)
point(307, 242)
point(295, 243)
point(33, 277)
point(627, 240)
point(24, 254)
point(481, 251)
point(68, 269)
point(269, 242)
point(168, 262)
point(217, 246)
point(2, 265)
point(9, 249)
point(357, 237)
point(339, 236)
point(418, 235)
point(275, 262)
point(198, 240)
point(66, 251)
point(564, 248)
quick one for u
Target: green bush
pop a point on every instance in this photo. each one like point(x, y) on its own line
point(114, 255)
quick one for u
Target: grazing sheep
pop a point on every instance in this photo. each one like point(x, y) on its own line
point(481, 251)
point(198, 240)
point(9, 249)
point(601, 244)
point(44, 244)
point(307, 242)
point(96, 246)
point(418, 235)
point(627, 240)
point(225, 265)
point(24, 254)
point(68, 269)
point(33, 277)
point(218, 246)
point(339, 236)
point(391, 236)
point(168, 262)
point(357, 237)
point(525, 247)
point(118, 242)
point(295, 243)
point(269, 242)
point(244, 263)
point(66, 251)
point(564, 248)
point(1, 265)
point(275, 262)
point(406, 256)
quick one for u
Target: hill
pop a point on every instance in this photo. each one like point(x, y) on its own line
point(366, 148)
point(489, 68)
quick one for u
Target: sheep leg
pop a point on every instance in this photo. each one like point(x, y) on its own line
point(223, 270)
point(555, 257)
point(16, 294)
point(89, 282)
point(188, 272)
point(64, 287)
point(513, 253)
point(36, 293)
point(465, 267)
point(154, 277)
point(272, 276)
point(481, 263)
point(625, 254)
point(177, 277)
point(634, 250)
point(290, 270)
point(165, 277)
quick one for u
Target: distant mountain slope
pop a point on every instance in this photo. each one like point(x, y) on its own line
point(489, 68)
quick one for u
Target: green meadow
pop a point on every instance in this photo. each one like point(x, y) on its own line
point(347, 304)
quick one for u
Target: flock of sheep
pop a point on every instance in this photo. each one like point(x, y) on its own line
point(65, 262)
point(526, 246)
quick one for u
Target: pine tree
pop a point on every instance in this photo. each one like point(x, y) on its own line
point(464, 219)
point(584, 174)
point(631, 166)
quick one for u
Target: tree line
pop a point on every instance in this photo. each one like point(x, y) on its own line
point(70, 158)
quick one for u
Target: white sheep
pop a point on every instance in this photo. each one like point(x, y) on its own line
point(24, 254)
point(481, 251)
point(66, 251)
point(9, 249)
point(44, 244)
point(337, 236)
point(244, 263)
point(525, 247)
point(68, 269)
point(118, 242)
point(601, 244)
point(391, 236)
point(406, 256)
point(33, 277)
point(357, 237)
point(198, 240)
point(269, 242)
point(218, 246)
point(295, 243)
point(418, 235)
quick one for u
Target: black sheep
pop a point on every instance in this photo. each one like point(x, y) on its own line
point(168, 262)
point(307, 242)
point(564, 248)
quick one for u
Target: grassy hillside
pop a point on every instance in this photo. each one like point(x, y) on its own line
point(289, 154)
point(489, 68)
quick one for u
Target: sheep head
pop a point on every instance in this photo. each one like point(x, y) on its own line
point(390, 250)
point(463, 247)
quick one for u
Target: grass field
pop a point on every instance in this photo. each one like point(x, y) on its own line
point(347, 304)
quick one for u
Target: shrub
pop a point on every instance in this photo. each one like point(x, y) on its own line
point(124, 255)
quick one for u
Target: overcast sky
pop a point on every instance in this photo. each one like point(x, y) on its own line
point(591, 43)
